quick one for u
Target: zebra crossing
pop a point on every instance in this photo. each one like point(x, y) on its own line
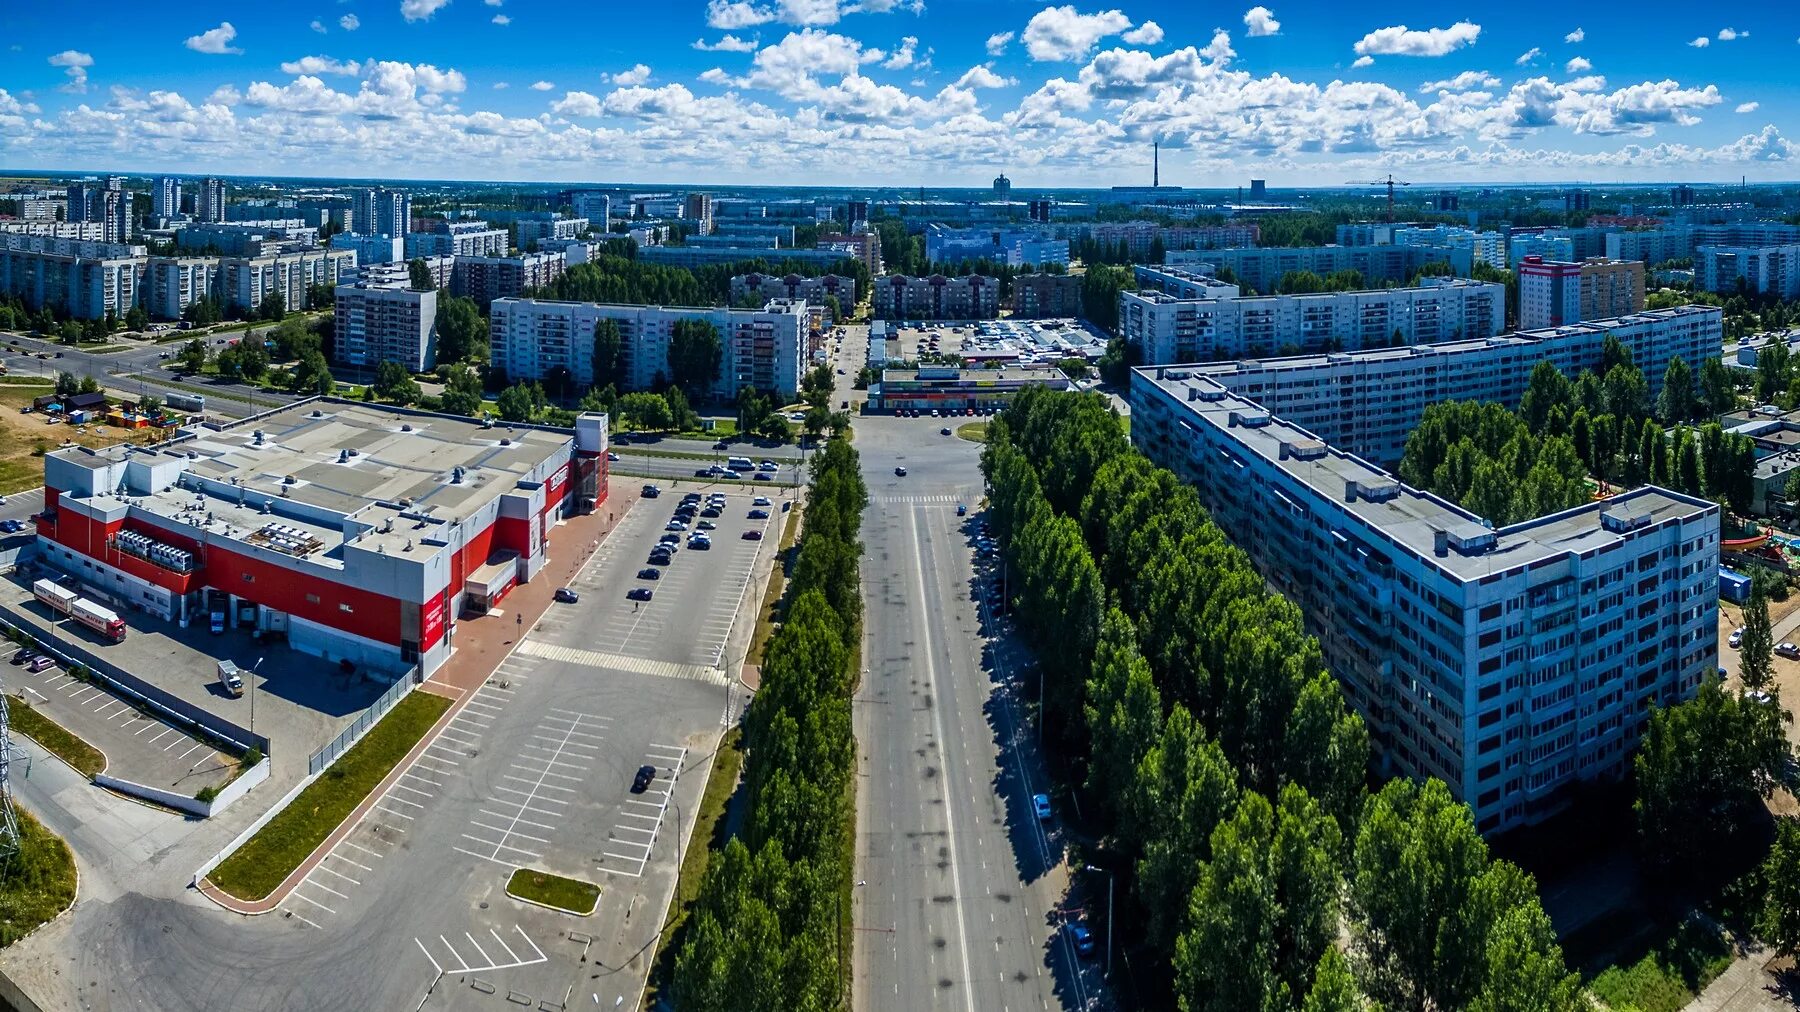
point(919, 500)
point(622, 663)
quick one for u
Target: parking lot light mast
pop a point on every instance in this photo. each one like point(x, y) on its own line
point(1109, 916)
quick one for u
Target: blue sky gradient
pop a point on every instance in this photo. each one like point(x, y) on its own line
point(897, 92)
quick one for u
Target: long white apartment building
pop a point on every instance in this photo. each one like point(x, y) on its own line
point(767, 348)
point(1512, 664)
point(1764, 270)
point(246, 281)
point(172, 284)
point(1377, 397)
point(85, 279)
point(477, 242)
point(1182, 316)
point(380, 318)
point(542, 229)
point(1484, 247)
point(1262, 268)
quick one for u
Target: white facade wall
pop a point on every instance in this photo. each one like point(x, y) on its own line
point(246, 281)
point(1765, 270)
point(175, 283)
point(378, 323)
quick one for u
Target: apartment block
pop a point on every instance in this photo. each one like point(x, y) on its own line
point(246, 281)
point(1764, 270)
point(767, 287)
point(1013, 247)
point(248, 238)
point(1140, 237)
point(380, 212)
point(1483, 247)
point(1046, 296)
point(87, 280)
point(85, 231)
point(1367, 402)
point(379, 318)
point(107, 206)
point(1179, 317)
point(540, 229)
point(595, 206)
point(1558, 249)
point(172, 284)
point(1552, 293)
point(1512, 664)
point(863, 246)
point(165, 197)
point(485, 279)
point(1262, 269)
point(767, 348)
point(901, 297)
point(209, 200)
point(701, 256)
point(371, 249)
point(480, 241)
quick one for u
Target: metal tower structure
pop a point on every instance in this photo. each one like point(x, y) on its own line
point(9, 818)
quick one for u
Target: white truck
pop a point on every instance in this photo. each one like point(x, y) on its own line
point(55, 596)
point(231, 679)
point(104, 621)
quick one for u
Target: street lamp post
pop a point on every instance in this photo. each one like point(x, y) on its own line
point(1109, 916)
point(253, 668)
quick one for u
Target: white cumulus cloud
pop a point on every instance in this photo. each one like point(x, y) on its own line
point(1578, 65)
point(1064, 33)
point(419, 10)
point(1147, 34)
point(1729, 34)
point(726, 44)
point(1363, 61)
point(542, 86)
point(318, 26)
point(1748, 106)
point(321, 65)
point(1578, 35)
point(902, 57)
point(1701, 42)
point(635, 76)
point(996, 43)
point(216, 41)
point(1260, 21)
point(1528, 57)
point(1403, 41)
point(501, 19)
point(349, 22)
point(984, 77)
point(577, 103)
point(1465, 81)
point(75, 64)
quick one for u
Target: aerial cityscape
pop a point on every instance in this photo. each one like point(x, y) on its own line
point(899, 504)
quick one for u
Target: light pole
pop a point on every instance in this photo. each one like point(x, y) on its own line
point(1109, 916)
point(253, 668)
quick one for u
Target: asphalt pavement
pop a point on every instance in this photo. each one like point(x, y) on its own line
point(139, 368)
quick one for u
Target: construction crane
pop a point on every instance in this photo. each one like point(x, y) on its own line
point(1390, 182)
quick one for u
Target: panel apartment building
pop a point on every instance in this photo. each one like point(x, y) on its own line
point(485, 279)
point(380, 318)
point(1367, 403)
point(1262, 269)
point(765, 287)
point(85, 279)
point(1511, 663)
point(1552, 293)
point(1182, 316)
point(970, 297)
point(1764, 270)
point(767, 348)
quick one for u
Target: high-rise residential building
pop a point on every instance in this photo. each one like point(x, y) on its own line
point(531, 338)
point(381, 212)
point(371, 249)
point(1510, 663)
point(485, 279)
point(209, 200)
point(1002, 188)
point(87, 280)
point(541, 228)
point(479, 241)
point(771, 287)
point(172, 284)
point(970, 297)
point(1681, 196)
point(698, 208)
point(1763, 270)
point(1263, 268)
point(1184, 317)
point(1446, 200)
point(700, 256)
point(1536, 244)
point(380, 318)
point(1553, 293)
point(165, 198)
point(1575, 200)
point(109, 207)
point(1040, 209)
point(855, 211)
point(245, 282)
point(864, 246)
point(1046, 296)
point(1484, 247)
point(87, 231)
point(1140, 238)
point(595, 206)
point(248, 238)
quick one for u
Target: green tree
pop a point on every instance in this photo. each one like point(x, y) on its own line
point(1718, 392)
point(150, 405)
point(312, 375)
point(273, 307)
point(1124, 711)
point(515, 403)
point(608, 345)
point(1675, 403)
point(1780, 921)
point(462, 334)
point(682, 416)
point(1334, 987)
point(462, 391)
point(418, 276)
point(1546, 389)
point(192, 357)
point(67, 384)
point(1773, 371)
point(136, 318)
point(393, 383)
point(695, 353)
point(1184, 788)
point(89, 385)
point(644, 411)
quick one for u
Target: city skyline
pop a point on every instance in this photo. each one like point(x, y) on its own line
point(902, 92)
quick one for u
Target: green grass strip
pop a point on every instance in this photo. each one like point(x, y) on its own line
point(39, 882)
point(61, 742)
point(269, 857)
point(566, 894)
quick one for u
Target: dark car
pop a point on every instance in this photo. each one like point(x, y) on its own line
point(706, 525)
point(721, 445)
point(753, 535)
point(764, 476)
point(759, 514)
point(711, 512)
point(704, 472)
point(650, 573)
point(24, 654)
point(12, 526)
point(961, 510)
point(647, 774)
point(899, 472)
point(651, 491)
point(1082, 937)
point(660, 558)
point(945, 431)
point(671, 538)
point(566, 596)
point(639, 594)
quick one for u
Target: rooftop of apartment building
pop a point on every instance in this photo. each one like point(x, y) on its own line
point(1455, 540)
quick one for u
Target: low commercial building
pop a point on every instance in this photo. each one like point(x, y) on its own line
point(530, 339)
point(1044, 296)
point(1552, 293)
point(246, 281)
point(970, 297)
point(1209, 322)
point(357, 533)
point(1762, 270)
point(380, 318)
point(1376, 398)
point(956, 389)
point(485, 279)
point(1511, 664)
point(764, 287)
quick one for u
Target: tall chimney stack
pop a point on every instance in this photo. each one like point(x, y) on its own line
point(1155, 164)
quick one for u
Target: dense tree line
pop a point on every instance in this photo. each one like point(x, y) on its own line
point(1509, 466)
point(767, 931)
point(1222, 763)
point(616, 279)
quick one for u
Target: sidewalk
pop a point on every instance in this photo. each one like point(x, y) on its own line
point(1745, 986)
point(482, 644)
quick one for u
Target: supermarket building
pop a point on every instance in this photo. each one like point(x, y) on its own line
point(358, 532)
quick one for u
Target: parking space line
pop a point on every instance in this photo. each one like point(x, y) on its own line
point(415, 790)
point(327, 888)
point(371, 853)
point(297, 894)
point(298, 917)
point(403, 801)
point(528, 822)
point(354, 864)
point(484, 956)
point(190, 749)
point(339, 874)
point(423, 780)
point(485, 857)
point(510, 954)
point(477, 722)
point(390, 811)
point(530, 796)
point(147, 726)
point(559, 776)
point(451, 762)
point(497, 829)
point(453, 951)
point(434, 963)
point(541, 748)
point(624, 857)
point(637, 815)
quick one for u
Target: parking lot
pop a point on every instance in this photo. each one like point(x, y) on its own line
point(536, 770)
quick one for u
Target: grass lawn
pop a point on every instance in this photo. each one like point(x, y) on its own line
point(1668, 977)
point(26, 380)
point(62, 742)
point(24, 438)
point(772, 595)
point(974, 432)
point(39, 884)
point(709, 837)
point(256, 868)
point(572, 895)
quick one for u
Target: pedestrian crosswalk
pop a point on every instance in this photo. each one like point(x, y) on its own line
point(622, 663)
point(918, 500)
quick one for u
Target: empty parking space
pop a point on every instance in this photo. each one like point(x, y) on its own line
point(539, 787)
point(639, 819)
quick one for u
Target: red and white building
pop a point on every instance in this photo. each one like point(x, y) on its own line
point(360, 533)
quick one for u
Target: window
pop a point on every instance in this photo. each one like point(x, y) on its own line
point(312, 599)
point(248, 578)
point(345, 607)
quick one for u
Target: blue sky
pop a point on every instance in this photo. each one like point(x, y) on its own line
point(902, 92)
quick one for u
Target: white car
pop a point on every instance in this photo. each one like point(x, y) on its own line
point(1788, 650)
point(1737, 638)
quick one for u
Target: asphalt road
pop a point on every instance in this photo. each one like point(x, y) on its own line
point(649, 465)
point(139, 367)
point(961, 885)
point(409, 911)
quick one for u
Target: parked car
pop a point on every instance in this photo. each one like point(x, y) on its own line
point(764, 476)
point(700, 542)
point(690, 497)
point(706, 525)
point(641, 782)
point(612, 456)
point(650, 574)
point(753, 535)
point(24, 655)
point(1737, 637)
point(39, 663)
point(1788, 650)
point(1082, 938)
point(566, 596)
point(704, 472)
point(711, 512)
point(945, 431)
point(12, 526)
point(670, 538)
point(676, 525)
point(1040, 806)
point(768, 465)
point(639, 594)
point(961, 510)
point(761, 500)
